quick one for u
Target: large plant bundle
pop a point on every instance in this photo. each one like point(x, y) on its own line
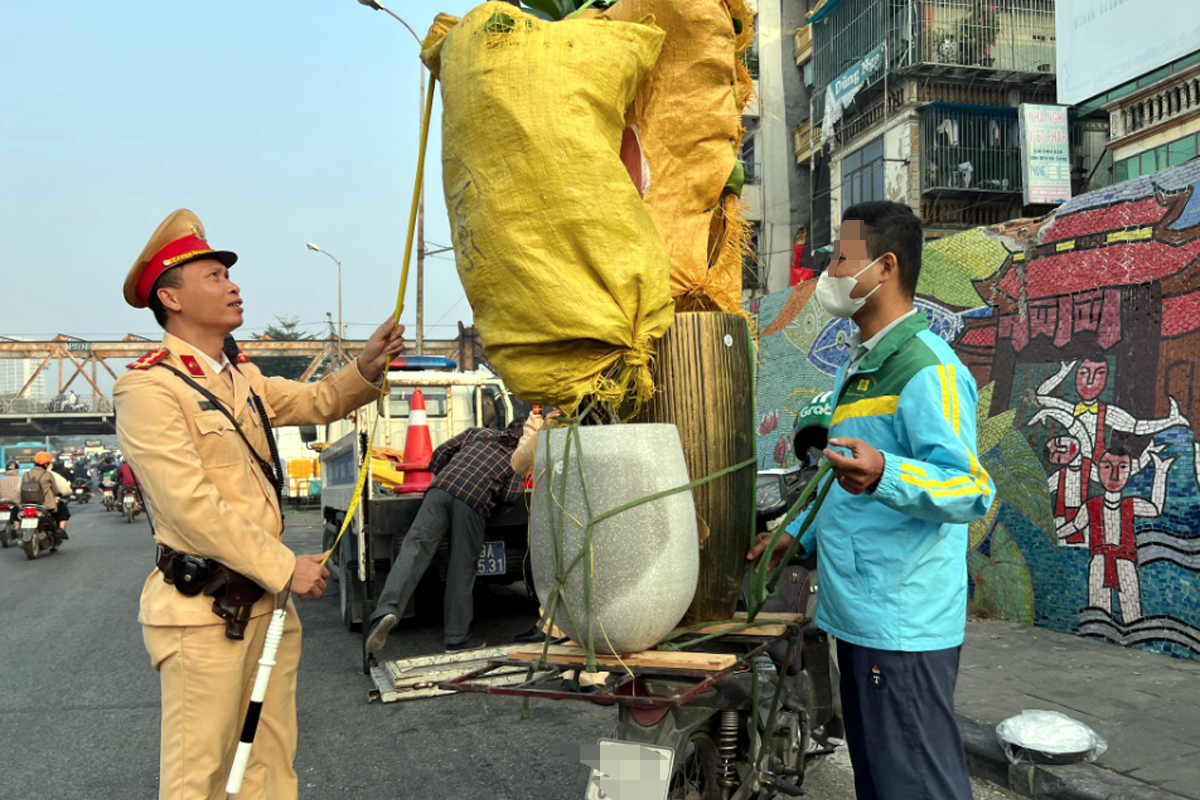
point(566, 274)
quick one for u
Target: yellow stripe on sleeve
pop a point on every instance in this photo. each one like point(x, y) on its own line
point(933, 486)
point(953, 384)
point(871, 407)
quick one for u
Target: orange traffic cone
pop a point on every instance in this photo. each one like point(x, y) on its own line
point(418, 449)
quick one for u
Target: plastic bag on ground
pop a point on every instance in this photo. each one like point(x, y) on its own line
point(567, 277)
point(1048, 737)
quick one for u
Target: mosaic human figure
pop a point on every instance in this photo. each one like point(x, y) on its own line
point(1112, 540)
point(1096, 416)
point(1067, 483)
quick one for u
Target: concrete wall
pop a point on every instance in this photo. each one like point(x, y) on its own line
point(1083, 334)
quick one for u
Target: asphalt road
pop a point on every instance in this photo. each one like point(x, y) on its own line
point(79, 701)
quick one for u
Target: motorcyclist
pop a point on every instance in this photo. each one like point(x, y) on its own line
point(10, 487)
point(43, 472)
point(82, 474)
point(128, 482)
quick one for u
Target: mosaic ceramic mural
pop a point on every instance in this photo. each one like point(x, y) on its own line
point(1083, 333)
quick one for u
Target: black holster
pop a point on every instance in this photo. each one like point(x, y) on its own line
point(233, 593)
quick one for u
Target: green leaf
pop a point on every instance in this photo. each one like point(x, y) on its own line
point(1020, 479)
point(993, 430)
point(977, 531)
point(1003, 587)
point(737, 180)
point(552, 10)
point(983, 408)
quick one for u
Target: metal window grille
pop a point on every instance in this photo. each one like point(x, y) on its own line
point(970, 148)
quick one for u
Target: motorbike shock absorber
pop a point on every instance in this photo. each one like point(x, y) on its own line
point(727, 740)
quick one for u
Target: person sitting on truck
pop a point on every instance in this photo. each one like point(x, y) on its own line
point(472, 474)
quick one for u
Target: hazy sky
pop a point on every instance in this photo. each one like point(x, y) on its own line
point(276, 122)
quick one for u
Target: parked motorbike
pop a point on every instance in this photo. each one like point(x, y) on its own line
point(39, 532)
point(81, 490)
point(8, 519)
point(108, 494)
point(131, 504)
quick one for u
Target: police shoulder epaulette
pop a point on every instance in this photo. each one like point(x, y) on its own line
point(150, 359)
point(243, 358)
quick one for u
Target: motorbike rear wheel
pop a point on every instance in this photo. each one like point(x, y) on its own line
point(697, 770)
point(32, 548)
point(130, 513)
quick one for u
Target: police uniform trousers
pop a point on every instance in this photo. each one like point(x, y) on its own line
point(900, 727)
point(206, 681)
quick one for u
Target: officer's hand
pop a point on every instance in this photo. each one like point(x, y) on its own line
point(385, 343)
point(764, 541)
point(859, 471)
point(308, 579)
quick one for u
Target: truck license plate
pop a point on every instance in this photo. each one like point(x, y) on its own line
point(29, 523)
point(491, 559)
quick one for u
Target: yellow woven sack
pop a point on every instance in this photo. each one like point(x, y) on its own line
point(566, 274)
point(687, 118)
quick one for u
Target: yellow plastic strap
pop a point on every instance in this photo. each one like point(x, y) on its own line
point(385, 389)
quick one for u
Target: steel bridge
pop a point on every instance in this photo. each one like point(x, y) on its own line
point(91, 413)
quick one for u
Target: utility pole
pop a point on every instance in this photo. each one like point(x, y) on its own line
point(421, 228)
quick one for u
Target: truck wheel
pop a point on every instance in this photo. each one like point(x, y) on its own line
point(350, 599)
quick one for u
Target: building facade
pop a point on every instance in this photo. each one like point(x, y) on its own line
point(14, 374)
point(917, 102)
point(776, 194)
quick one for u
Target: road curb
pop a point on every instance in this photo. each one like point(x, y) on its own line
point(986, 759)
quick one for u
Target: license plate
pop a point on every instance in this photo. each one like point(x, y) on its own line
point(108, 495)
point(643, 768)
point(29, 523)
point(128, 500)
point(491, 559)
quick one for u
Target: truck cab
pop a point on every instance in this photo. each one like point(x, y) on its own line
point(454, 401)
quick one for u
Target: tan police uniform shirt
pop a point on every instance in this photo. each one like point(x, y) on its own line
point(206, 492)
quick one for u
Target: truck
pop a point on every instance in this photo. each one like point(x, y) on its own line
point(455, 401)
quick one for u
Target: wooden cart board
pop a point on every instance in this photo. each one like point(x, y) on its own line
point(653, 659)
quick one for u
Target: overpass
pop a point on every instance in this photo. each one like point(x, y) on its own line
point(21, 415)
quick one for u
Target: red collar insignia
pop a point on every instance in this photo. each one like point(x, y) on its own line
point(150, 359)
point(193, 366)
point(243, 358)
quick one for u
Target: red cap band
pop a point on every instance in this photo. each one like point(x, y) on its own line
point(172, 255)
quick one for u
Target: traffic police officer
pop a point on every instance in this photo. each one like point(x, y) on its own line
point(192, 426)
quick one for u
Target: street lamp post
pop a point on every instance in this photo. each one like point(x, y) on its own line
point(420, 339)
point(341, 350)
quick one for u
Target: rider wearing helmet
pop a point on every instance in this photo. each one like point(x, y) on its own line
point(41, 473)
point(10, 484)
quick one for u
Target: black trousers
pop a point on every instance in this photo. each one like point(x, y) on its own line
point(900, 727)
point(440, 513)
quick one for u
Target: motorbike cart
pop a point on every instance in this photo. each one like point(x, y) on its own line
point(8, 519)
point(108, 496)
point(39, 532)
point(131, 504)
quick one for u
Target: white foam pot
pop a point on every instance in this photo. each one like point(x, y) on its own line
point(645, 562)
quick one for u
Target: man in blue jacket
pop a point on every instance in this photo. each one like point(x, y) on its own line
point(892, 534)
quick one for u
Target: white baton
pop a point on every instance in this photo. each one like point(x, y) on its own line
point(250, 727)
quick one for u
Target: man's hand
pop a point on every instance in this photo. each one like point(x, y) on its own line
point(859, 471)
point(764, 540)
point(308, 579)
point(385, 343)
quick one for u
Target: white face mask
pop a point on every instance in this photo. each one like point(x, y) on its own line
point(834, 293)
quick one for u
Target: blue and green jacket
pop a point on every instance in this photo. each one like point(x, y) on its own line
point(893, 562)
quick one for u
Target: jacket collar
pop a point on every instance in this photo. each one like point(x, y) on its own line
point(186, 358)
point(895, 339)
